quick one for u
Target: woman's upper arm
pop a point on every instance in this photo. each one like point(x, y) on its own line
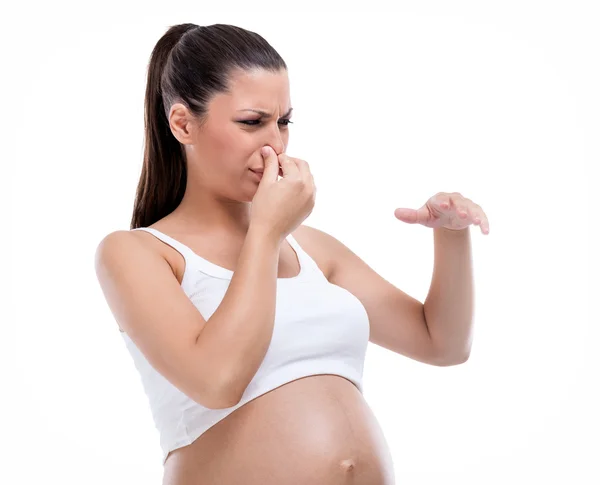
point(149, 304)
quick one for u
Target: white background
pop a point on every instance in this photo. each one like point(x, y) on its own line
point(496, 100)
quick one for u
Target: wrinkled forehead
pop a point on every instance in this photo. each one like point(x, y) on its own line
point(257, 89)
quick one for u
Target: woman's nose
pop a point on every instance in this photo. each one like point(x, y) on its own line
point(275, 139)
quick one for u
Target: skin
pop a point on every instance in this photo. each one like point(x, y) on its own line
point(221, 149)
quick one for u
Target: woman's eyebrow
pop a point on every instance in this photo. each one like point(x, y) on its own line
point(265, 114)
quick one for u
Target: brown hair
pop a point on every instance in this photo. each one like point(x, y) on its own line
point(188, 65)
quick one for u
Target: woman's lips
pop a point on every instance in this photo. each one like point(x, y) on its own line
point(260, 174)
point(257, 175)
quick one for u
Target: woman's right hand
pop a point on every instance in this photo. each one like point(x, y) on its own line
point(280, 206)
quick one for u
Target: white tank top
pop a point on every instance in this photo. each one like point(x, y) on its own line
point(319, 328)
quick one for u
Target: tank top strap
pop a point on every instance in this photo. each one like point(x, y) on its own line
point(306, 261)
point(186, 252)
point(289, 238)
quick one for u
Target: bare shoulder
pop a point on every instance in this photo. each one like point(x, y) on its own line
point(121, 243)
point(114, 243)
point(319, 245)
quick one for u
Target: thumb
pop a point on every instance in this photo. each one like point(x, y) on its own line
point(406, 215)
point(271, 169)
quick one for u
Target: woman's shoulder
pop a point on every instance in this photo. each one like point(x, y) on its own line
point(123, 244)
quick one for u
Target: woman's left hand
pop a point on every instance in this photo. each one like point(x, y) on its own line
point(446, 210)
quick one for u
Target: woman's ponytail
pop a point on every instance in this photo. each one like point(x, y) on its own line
point(164, 159)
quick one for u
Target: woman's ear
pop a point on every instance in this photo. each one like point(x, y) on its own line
point(181, 124)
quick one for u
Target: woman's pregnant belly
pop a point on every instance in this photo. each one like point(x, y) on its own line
point(314, 430)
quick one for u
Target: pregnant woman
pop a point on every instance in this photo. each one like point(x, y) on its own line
point(248, 328)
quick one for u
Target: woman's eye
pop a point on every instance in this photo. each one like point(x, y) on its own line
point(283, 122)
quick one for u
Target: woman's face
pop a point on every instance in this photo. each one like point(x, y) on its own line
point(228, 144)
